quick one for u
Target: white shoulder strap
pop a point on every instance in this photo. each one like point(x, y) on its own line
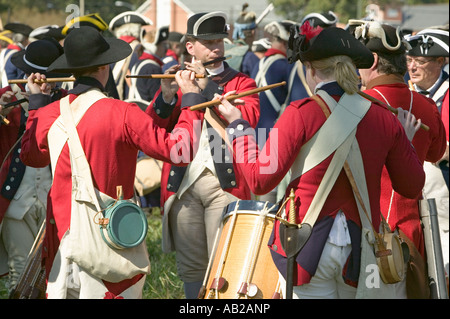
point(260, 78)
point(348, 151)
point(297, 69)
point(121, 66)
point(6, 56)
point(79, 163)
point(329, 179)
point(264, 65)
point(356, 166)
point(440, 92)
point(133, 93)
point(57, 135)
point(344, 118)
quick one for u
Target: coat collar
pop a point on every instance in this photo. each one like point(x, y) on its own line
point(385, 79)
point(146, 55)
point(332, 88)
point(272, 51)
point(84, 84)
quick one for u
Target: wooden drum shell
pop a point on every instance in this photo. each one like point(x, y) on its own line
point(242, 266)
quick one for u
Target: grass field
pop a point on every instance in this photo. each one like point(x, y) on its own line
point(163, 282)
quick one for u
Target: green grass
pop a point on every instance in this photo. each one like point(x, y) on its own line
point(3, 290)
point(163, 282)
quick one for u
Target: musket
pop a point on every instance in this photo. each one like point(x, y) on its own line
point(31, 283)
point(264, 13)
point(435, 261)
point(236, 96)
point(390, 108)
point(49, 80)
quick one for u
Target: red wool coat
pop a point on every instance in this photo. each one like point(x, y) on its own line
point(382, 142)
point(429, 146)
point(9, 136)
point(250, 111)
point(111, 133)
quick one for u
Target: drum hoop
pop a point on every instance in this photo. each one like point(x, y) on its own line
point(263, 213)
point(250, 207)
point(248, 212)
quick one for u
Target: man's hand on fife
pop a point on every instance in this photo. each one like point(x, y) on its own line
point(36, 88)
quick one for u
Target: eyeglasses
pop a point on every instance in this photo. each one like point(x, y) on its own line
point(418, 62)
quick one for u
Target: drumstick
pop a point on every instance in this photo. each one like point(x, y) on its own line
point(49, 80)
point(390, 108)
point(236, 96)
point(161, 76)
point(202, 292)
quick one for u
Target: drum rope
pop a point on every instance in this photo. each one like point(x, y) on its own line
point(213, 252)
point(250, 258)
point(226, 248)
point(278, 289)
point(255, 243)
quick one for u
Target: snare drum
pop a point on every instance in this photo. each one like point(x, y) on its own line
point(242, 266)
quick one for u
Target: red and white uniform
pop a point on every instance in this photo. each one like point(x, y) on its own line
point(382, 142)
point(402, 212)
point(250, 112)
point(111, 133)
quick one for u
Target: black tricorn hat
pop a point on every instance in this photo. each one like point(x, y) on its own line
point(18, 28)
point(90, 20)
point(37, 56)
point(323, 19)
point(280, 29)
point(377, 37)
point(6, 35)
point(129, 17)
point(45, 31)
point(175, 36)
point(207, 26)
point(85, 47)
point(245, 21)
point(309, 44)
point(162, 34)
point(429, 42)
point(261, 45)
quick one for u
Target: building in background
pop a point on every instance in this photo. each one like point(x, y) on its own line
point(412, 18)
point(178, 11)
point(419, 17)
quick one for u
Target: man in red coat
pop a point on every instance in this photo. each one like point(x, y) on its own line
point(111, 132)
point(194, 197)
point(385, 81)
point(328, 265)
point(23, 189)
